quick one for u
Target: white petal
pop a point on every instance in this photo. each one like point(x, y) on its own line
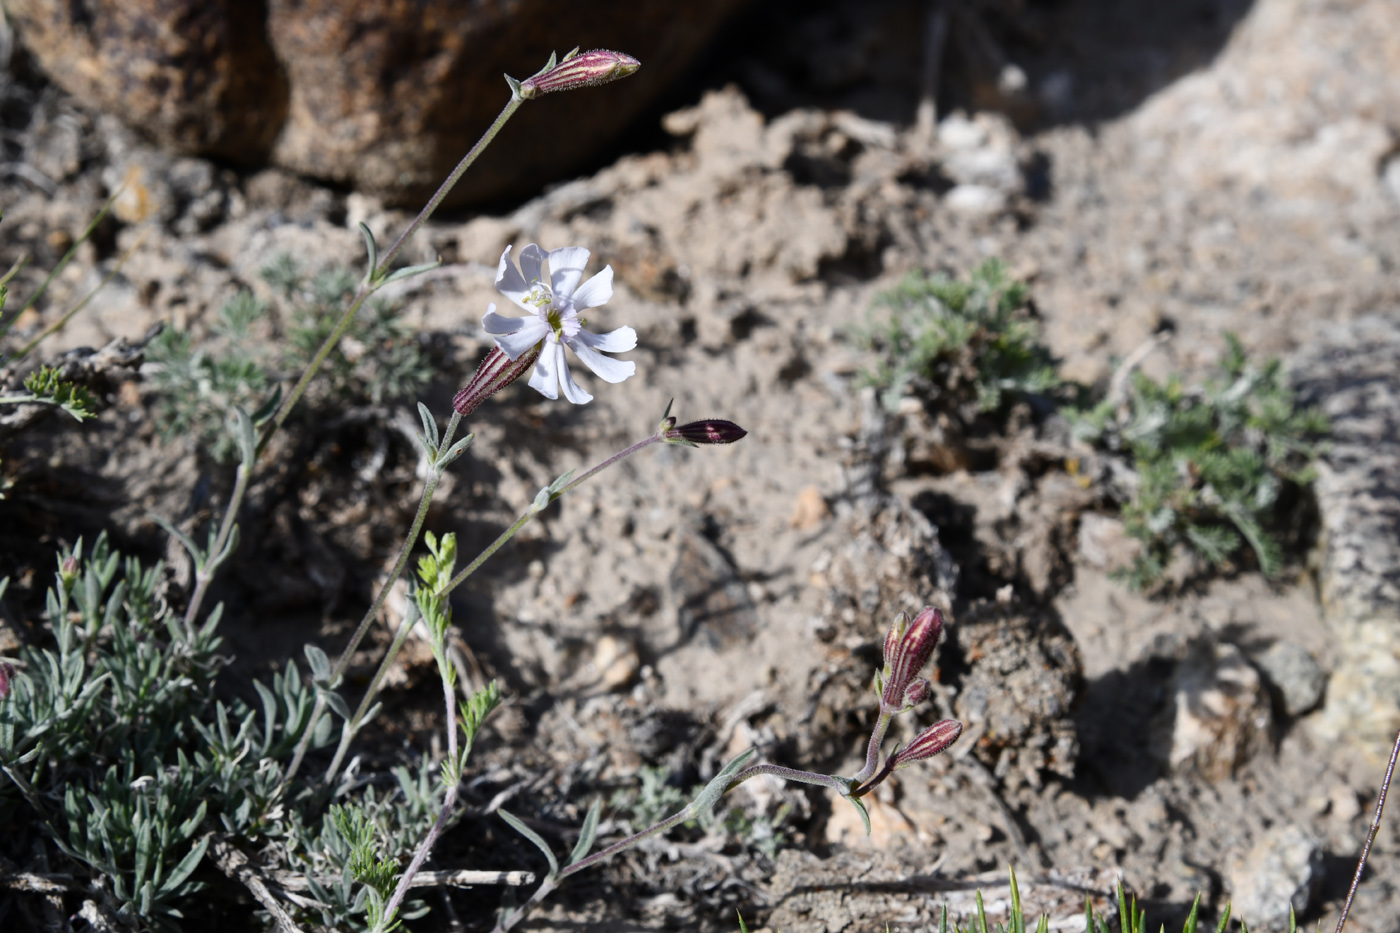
point(566, 268)
point(596, 291)
point(531, 259)
point(617, 341)
point(494, 323)
point(572, 392)
point(531, 332)
point(545, 378)
point(509, 282)
point(606, 368)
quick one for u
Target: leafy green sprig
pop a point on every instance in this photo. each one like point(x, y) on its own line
point(1210, 465)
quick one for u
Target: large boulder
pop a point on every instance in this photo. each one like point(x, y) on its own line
point(382, 95)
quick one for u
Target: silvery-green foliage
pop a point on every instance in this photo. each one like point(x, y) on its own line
point(101, 724)
point(369, 836)
point(962, 345)
point(111, 727)
point(201, 386)
point(1210, 464)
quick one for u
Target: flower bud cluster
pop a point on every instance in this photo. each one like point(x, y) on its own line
point(908, 647)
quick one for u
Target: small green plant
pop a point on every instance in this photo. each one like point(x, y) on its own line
point(1210, 465)
point(655, 798)
point(46, 386)
point(959, 345)
point(1131, 919)
point(202, 386)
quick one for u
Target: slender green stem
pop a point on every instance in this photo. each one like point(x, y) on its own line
point(58, 325)
point(367, 287)
point(530, 513)
point(872, 751)
point(436, 200)
point(62, 263)
point(376, 275)
point(790, 774)
point(449, 800)
point(343, 663)
point(20, 263)
point(204, 575)
point(675, 819)
point(602, 855)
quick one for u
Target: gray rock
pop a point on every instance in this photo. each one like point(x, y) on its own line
point(1219, 713)
point(1283, 872)
point(1353, 372)
point(1295, 674)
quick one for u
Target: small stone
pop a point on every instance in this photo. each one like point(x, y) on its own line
point(1282, 872)
point(976, 200)
point(1103, 543)
point(1219, 714)
point(811, 509)
point(1295, 675)
point(615, 661)
point(1343, 803)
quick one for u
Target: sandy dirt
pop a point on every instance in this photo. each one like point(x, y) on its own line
point(1227, 167)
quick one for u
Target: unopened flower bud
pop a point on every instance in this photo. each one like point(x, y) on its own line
point(580, 70)
point(495, 373)
point(908, 647)
point(6, 672)
point(703, 432)
point(68, 570)
point(916, 693)
point(936, 738)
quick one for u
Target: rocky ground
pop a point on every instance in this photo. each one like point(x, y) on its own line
point(1227, 167)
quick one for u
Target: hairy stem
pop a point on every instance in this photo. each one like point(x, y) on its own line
point(872, 751)
point(675, 819)
point(448, 801)
point(204, 575)
point(367, 287)
point(530, 513)
point(405, 550)
point(372, 281)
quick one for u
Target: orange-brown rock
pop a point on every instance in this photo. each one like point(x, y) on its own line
point(196, 75)
point(382, 95)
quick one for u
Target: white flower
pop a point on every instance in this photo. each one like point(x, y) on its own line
point(555, 306)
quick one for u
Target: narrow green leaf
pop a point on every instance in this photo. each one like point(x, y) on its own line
point(701, 806)
point(1190, 926)
point(268, 408)
point(320, 663)
point(586, 834)
point(195, 553)
point(372, 249)
point(337, 704)
point(1017, 918)
point(430, 430)
point(860, 808)
point(186, 867)
point(410, 271)
point(534, 837)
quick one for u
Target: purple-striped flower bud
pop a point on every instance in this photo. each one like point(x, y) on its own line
point(908, 646)
point(916, 693)
point(580, 70)
point(936, 738)
point(495, 373)
point(6, 672)
point(703, 432)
